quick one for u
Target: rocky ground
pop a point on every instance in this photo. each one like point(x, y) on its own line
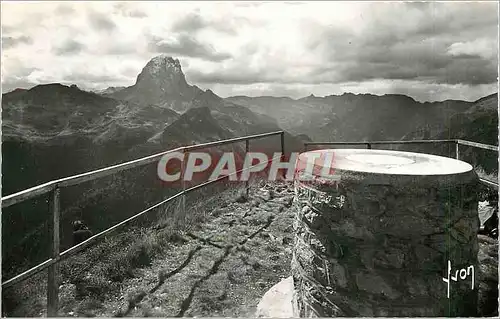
point(488, 267)
point(488, 276)
point(221, 268)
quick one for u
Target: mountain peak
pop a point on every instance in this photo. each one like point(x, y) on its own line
point(162, 83)
point(166, 60)
point(162, 71)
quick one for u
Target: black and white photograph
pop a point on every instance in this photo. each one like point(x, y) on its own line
point(258, 159)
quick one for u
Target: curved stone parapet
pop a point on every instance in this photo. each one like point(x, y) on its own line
point(378, 241)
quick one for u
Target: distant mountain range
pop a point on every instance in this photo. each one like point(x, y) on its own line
point(355, 117)
point(52, 131)
point(364, 117)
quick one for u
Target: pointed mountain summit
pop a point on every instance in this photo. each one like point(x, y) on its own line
point(164, 73)
point(161, 82)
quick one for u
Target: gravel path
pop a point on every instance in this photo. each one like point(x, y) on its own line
point(223, 268)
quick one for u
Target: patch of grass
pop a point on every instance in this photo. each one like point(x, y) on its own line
point(217, 212)
point(146, 311)
point(134, 298)
point(485, 191)
point(242, 248)
point(95, 286)
point(488, 176)
point(234, 276)
point(254, 203)
point(88, 307)
point(270, 195)
point(273, 246)
point(25, 299)
point(244, 258)
point(241, 198)
point(99, 270)
point(211, 304)
point(139, 254)
point(255, 263)
point(171, 236)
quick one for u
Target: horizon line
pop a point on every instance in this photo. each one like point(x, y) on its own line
point(96, 91)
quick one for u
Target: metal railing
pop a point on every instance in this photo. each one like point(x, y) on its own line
point(55, 186)
point(457, 143)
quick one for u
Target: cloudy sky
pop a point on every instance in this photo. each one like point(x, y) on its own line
point(430, 51)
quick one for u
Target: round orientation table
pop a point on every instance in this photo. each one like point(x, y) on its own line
point(384, 233)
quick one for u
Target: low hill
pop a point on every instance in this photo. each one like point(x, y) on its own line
point(478, 123)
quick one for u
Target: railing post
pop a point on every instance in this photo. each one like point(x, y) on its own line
point(457, 154)
point(183, 183)
point(368, 146)
point(247, 148)
point(282, 144)
point(53, 271)
point(283, 151)
point(305, 147)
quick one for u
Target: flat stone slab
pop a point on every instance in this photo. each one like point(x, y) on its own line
point(485, 211)
point(383, 162)
point(277, 301)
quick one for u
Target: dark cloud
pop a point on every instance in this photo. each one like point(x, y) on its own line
point(25, 71)
point(126, 10)
point(229, 76)
point(194, 22)
point(137, 14)
point(10, 42)
point(81, 77)
point(101, 22)
point(64, 10)
point(191, 23)
point(404, 56)
point(413, 45)
point(280, 91)
point(121, 49)
point(11, 84)
point(241, 76)
point(18, 77)
point(69, 47)
point(188, 46)
point(356, 62)
point(455, 18)
point(276, 90)
point(131, 72)
point(418, 5)
point(7, 29)
point(420, 46)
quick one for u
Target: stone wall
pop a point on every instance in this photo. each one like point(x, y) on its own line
point(378, 245)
